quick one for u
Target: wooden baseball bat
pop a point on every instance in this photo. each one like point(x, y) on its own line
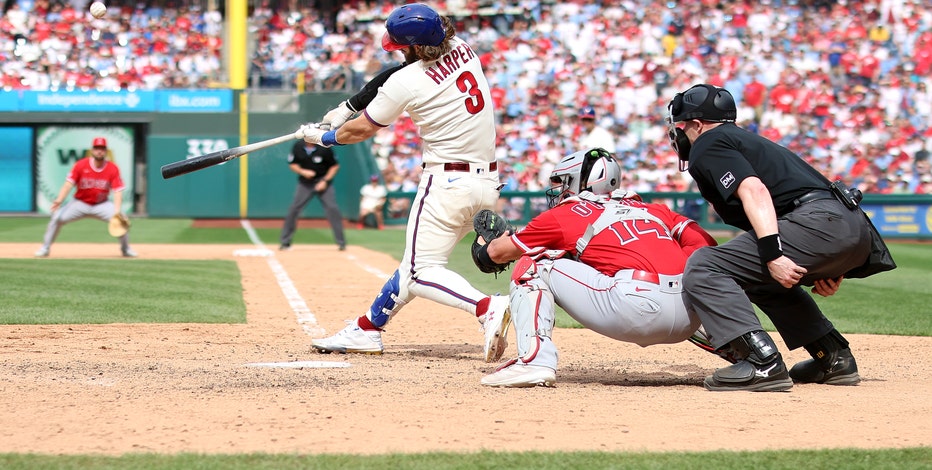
point(184, 167)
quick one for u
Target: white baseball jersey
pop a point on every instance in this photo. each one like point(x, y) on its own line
point(599, 137)
point(449, 102)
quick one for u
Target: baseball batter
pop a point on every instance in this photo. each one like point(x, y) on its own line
point(444, 91)
point(94, 177)
point(613, 262)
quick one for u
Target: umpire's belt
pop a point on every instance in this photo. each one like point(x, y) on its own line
point(465, 167)
point(666, 283)
point(814, 195)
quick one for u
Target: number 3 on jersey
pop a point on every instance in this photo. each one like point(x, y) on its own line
point(467, 83)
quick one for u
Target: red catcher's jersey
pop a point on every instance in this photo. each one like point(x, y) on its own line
point(626, 244)
point(93, 185)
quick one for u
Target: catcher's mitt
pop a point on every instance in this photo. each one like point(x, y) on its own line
point(489, 226)
point(119, 225)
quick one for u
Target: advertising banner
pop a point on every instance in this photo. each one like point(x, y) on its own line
point(89, 101)
point(15, 169)
point(9, 100)
point(195, 101)
point(901, 220)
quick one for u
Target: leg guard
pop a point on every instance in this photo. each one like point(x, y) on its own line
point(532, 312)
point(760, 367)
point(387, 303)
point(756, 347)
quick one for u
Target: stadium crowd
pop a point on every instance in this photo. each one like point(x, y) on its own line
point(845, 84)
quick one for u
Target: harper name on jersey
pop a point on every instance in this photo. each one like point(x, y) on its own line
point(450, 62)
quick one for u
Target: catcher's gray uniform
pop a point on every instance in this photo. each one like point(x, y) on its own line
point(620, 291)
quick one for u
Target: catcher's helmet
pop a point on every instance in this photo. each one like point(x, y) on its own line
point(594, 170)
point(705, 102)
point(414, 24)
point(587, 112)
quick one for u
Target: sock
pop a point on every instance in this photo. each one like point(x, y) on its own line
point(364, 323)
point(482, 306)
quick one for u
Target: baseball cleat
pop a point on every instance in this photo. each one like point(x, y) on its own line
point(519, 375)
point(42, 253)
point(495, 323)
point(750, 377)
point(351, 339)
point(129, 253)
point(841, 370)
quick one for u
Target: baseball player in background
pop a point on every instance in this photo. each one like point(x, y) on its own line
point(94, 177)
point(371, 201)
point(443, 89)
point(798, 233)
point(613, 262)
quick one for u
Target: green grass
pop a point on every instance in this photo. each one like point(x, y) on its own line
point(70, 291)
point(849, 459)
point(888, 303)
point(55, 291)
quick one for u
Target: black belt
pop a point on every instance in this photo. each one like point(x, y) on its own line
point(462, 166)
point(814, 195)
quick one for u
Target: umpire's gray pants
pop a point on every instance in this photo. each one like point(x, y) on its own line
point(302, 195)
point(722, 282)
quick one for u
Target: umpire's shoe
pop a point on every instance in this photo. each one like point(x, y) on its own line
point(832, 362)
point(762, 370)
point(835, 368)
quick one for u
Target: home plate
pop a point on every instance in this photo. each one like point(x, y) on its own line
point(301, 364)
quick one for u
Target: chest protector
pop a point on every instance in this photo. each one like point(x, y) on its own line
point(615, 211)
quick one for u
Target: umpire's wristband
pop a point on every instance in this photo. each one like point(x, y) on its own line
point(329, 138)
point(769, 248)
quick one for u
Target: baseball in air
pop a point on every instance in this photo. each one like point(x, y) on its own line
point(98, 9)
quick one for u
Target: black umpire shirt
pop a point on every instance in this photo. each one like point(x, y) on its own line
point(722, 158)
point(312, 157)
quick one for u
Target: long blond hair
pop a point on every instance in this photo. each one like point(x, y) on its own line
point(432, 53)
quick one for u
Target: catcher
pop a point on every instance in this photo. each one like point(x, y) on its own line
point(613, 262)
point(94, 177)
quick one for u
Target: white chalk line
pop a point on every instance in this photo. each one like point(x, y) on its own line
point(300, 364)
point(305, 317)
point(303, 313)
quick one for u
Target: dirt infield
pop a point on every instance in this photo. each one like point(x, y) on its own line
point(115, 389)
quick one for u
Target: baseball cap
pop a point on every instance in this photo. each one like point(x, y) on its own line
point(374, 178)
point(587, 112)
point(100, 142)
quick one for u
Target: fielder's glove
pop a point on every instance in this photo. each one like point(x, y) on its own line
point(338, 116)
point(488, 226)
point(119, 225)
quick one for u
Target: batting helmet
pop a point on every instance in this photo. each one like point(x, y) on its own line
point(594, 170)
point(414, 24)
point(587, 112)
point(705, 102)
